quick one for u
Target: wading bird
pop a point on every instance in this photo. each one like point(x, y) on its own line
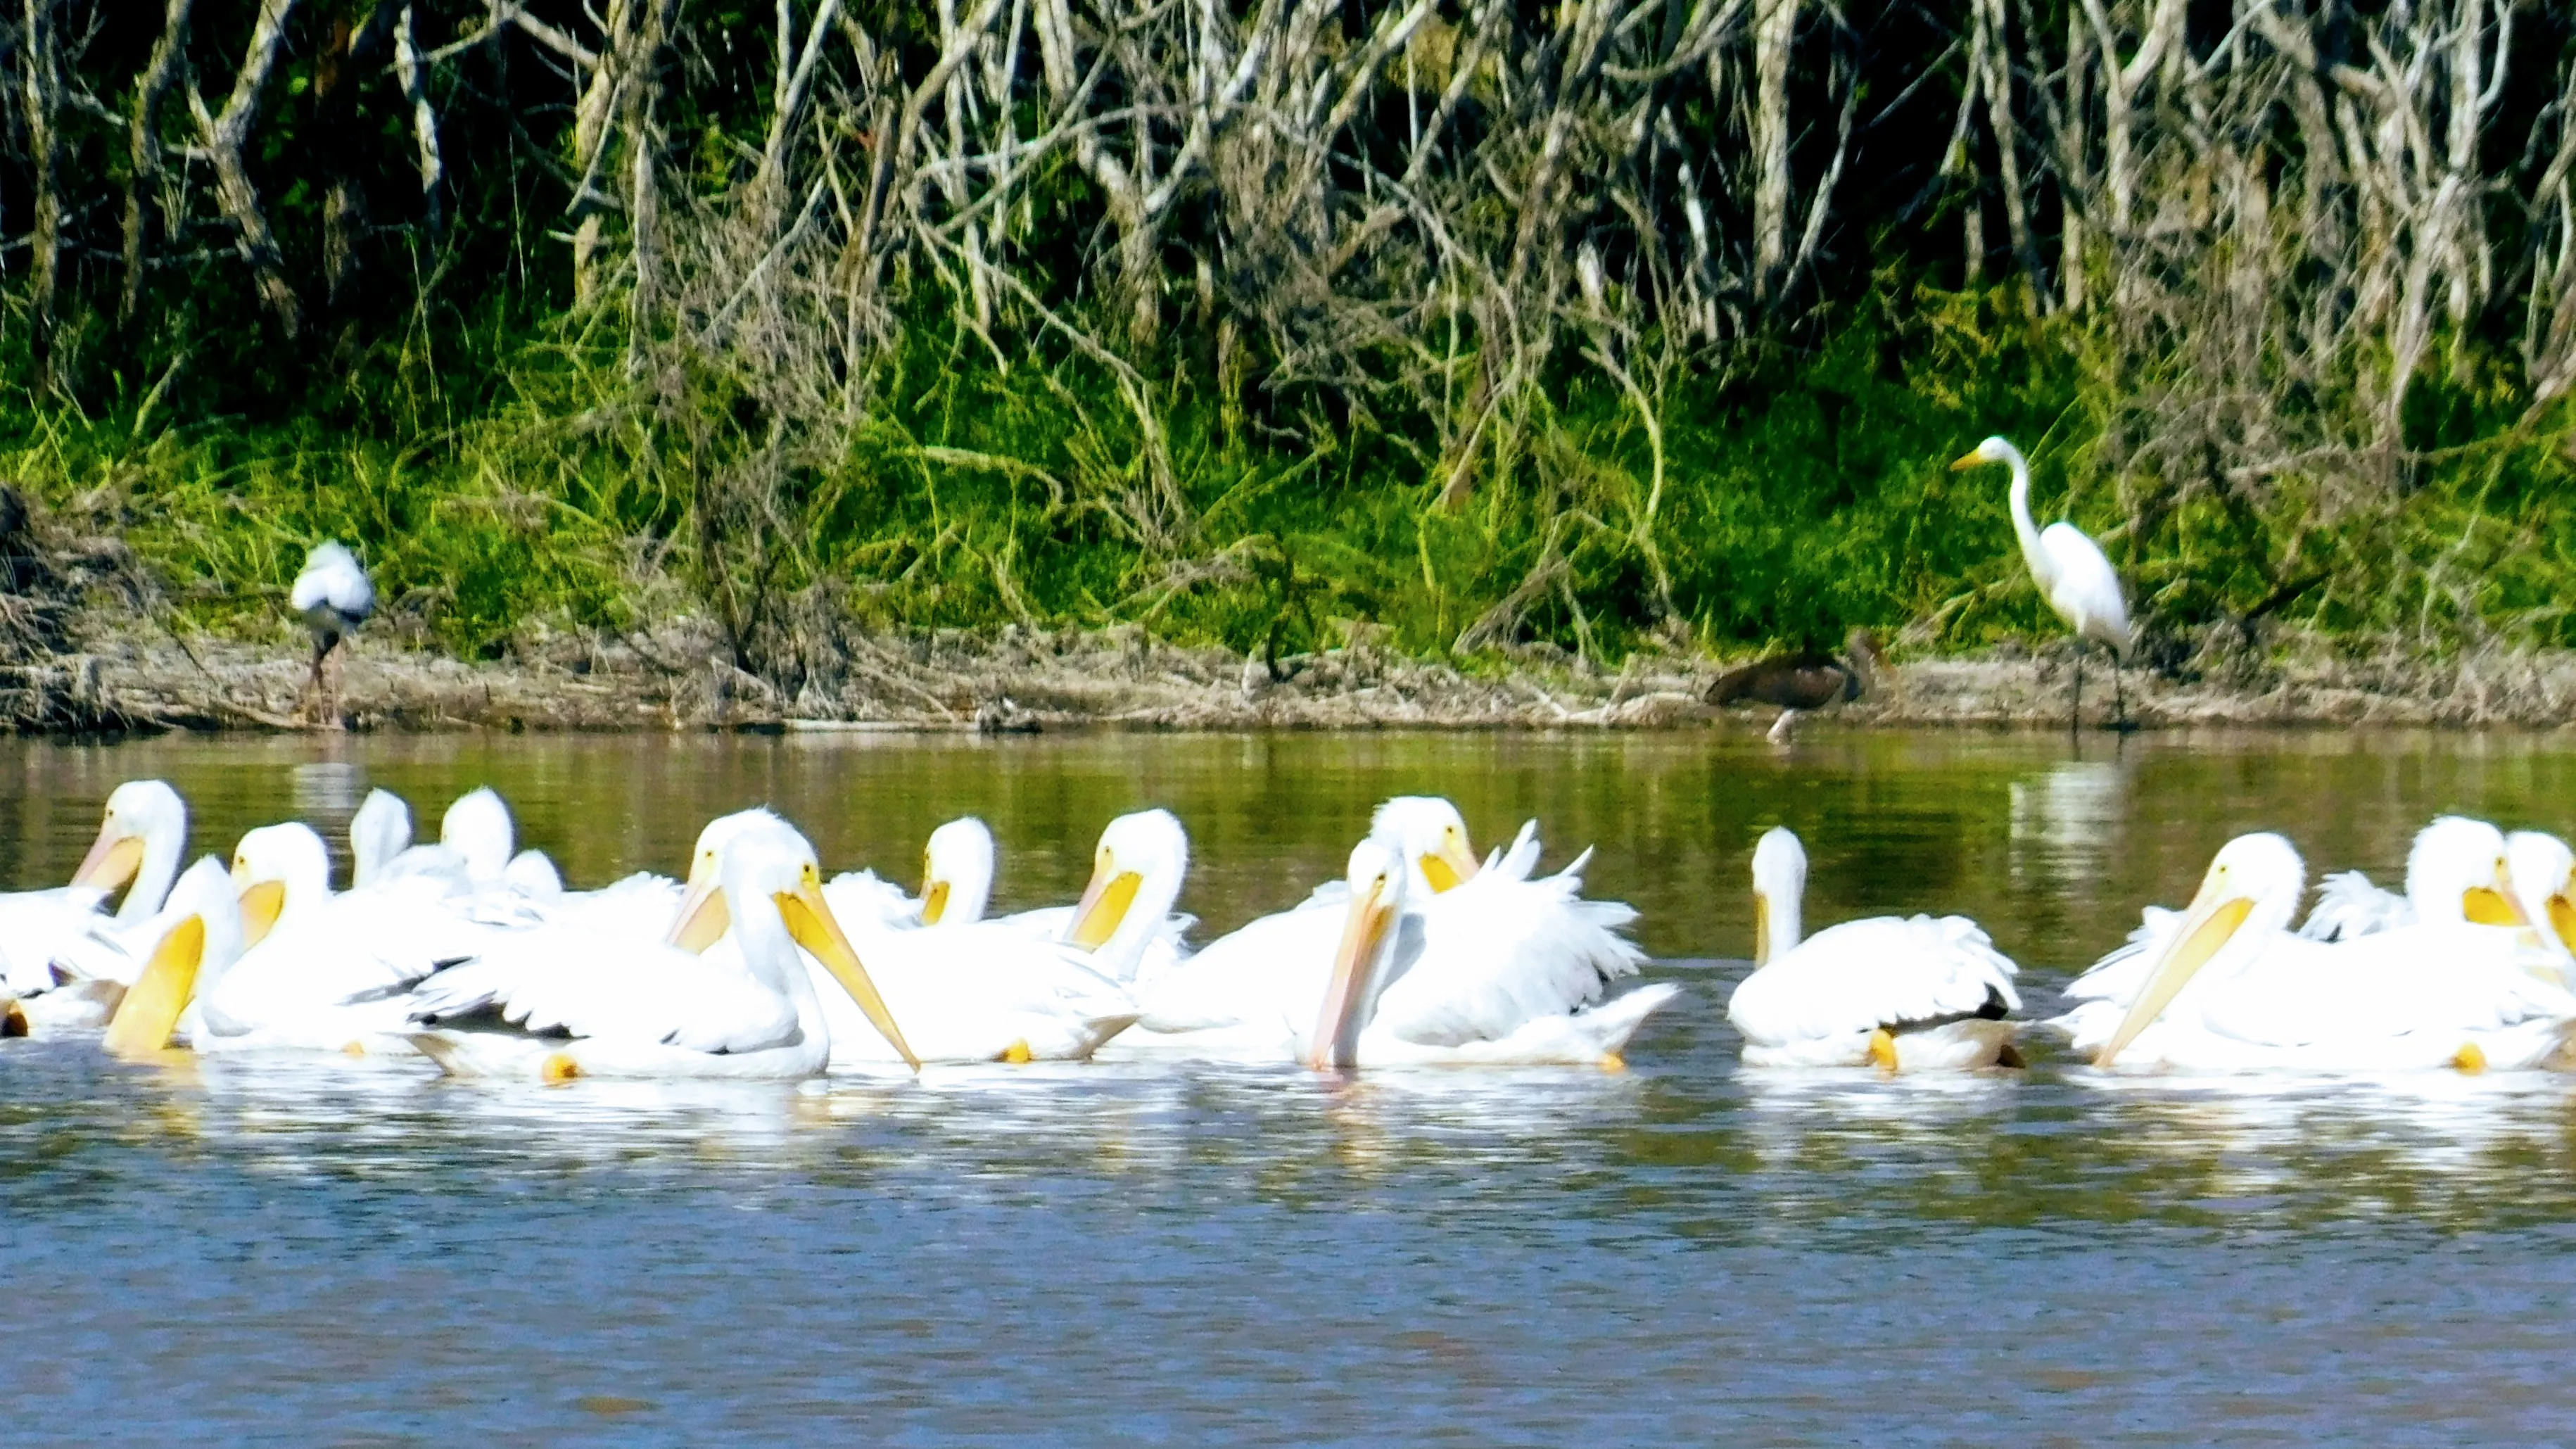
point(1908, 993)
point(334, 597)
point(2073, 574)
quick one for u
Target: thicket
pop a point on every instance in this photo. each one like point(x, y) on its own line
point(1610, 323)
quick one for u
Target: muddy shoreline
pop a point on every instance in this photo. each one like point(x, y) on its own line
point(125, 674)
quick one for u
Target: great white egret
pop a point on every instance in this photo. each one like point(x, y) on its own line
point(2072, 572)
point(334, 597)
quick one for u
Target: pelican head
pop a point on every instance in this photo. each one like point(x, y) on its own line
point(278, 869)
point(2250, 891)
point(1992, 450)
point(1431, 837)
point(1378, 879)
point(201, 934)
point(477, 827)
point(140, 836)
point(1136, 875)
point(769, 892)
point(2458, 871)
point(379, 831)
point(2542, 868)
point(706, 867)
point(957, 873)
point(1779, 891)
point(532, 873)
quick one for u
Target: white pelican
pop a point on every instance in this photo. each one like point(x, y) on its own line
point(980, 991)
point(2544, 876)
point(2444, 867)
point(57, 938)
point(379, 833)
point(477, 827)
point(1496, 967)
point(2225, 987)
point(956, 881)
point(1397, 992)
point(556, 1003)
point(318, 971)
point(192, 941)
point(2073, 574)
point(1904, 993)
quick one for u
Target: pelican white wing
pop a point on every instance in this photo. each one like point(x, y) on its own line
point(1820, 1002)
point(2348, 905)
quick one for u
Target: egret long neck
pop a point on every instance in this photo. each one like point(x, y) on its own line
point(2023, 528)
point(163, 844)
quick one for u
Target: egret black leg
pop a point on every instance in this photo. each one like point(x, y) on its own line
point(2075, 712)
point(2119, 697)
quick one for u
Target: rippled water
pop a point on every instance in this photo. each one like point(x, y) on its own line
point(332, 1252)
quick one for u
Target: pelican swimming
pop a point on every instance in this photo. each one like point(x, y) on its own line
point(557, 1003)
point(193, 940)
point(980, 991)
point(57, 943)
point(1481, 963)
point(2224, 986)
point(2450, 851)
point(1395, 993)
point(956, 882)
point(1907, 993)
point(321, 971)
point(2544, 883)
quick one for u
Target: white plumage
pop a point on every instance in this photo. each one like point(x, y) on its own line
point(560, 1001)
point(333, 594)
point(1910, 993)
point(2224, 986)
point(1497, 968)
point(319, 971)
point(2072, 572)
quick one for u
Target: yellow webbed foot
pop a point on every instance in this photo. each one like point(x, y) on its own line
point(1882, 1049)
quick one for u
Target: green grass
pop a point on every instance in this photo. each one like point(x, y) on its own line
point(529, 487)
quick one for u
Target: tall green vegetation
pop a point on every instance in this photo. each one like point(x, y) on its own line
point(1608, 323)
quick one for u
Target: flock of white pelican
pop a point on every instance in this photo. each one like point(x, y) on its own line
point(2469, 969)
point(474, 955)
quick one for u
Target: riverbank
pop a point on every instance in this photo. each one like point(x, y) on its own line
point(115, 674)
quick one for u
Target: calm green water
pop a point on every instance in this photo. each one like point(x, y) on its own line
point(333, 1252)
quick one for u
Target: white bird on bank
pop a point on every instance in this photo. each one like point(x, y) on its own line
point(558, 1002)
point(1495, 967)
point(1904, 993)
point(333, 595)
point(2072, 572)
point(2224, 986)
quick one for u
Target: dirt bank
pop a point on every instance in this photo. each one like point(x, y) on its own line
point(114, 671)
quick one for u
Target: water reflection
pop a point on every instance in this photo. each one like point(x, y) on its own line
point(1196, 1253)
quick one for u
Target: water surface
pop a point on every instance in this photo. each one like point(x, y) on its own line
point(333, 1252)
